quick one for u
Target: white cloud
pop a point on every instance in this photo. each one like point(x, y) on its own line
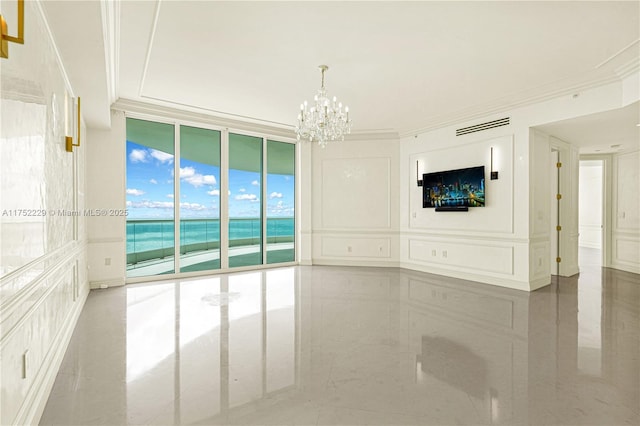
point(189, 175)
point(187, 172)
point(165, 205)
point(170, 196)
point(281, 209)
point(215, 192)
point(138, 156)
point(275, 195)
point(152, 204)
point(192, 206)
point(162, 157)
point(242, 190)
point(247, 197)
point(153, 181)
point(255, 183)
point(134, 192)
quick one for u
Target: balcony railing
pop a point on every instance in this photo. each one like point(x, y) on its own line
point(154, 239)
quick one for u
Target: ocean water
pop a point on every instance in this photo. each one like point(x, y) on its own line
point(143, 235)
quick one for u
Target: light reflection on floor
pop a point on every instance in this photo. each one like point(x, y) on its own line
point(338, 345)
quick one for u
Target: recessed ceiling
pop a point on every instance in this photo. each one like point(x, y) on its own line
point(601, 133)
point(400, 66)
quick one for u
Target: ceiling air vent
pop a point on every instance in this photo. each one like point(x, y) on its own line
point(484, 126)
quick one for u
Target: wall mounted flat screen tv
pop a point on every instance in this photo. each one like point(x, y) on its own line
point(454, 189)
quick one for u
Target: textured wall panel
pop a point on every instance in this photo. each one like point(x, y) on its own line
point(43, 279)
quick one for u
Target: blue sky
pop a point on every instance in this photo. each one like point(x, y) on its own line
point(150, 175)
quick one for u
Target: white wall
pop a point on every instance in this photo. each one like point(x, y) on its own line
point(508, 242)
point(591, 204)
point(487, 244)
point(43, 276)
point(625, 235)
point(355, 193)
point(106, 183)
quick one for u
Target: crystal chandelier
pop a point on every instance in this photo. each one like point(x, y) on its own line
point(326, 121)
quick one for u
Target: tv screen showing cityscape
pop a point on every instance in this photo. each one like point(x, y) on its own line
point(453, 188)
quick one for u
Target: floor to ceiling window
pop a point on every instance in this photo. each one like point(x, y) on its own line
point(245, 200)
point(199, 199)
point(150, 198)
point(258, 225)
point(280, 201)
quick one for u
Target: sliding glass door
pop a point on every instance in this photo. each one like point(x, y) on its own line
point(245, 200)
point(150, 198)
point(178, 226)
point(199, 199)
point(281, 161)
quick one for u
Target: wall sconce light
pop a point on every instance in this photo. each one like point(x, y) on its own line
point(6, 38)
point(418, 174)
point(69, 139)
point(494, 174)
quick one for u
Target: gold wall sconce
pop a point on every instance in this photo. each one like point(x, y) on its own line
point(494, 174)
point(69, 139)
point(6, 38)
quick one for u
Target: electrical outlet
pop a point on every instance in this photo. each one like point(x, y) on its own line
point(433, 253)
point(444, 253)
point(349, 249)
point(107, 261)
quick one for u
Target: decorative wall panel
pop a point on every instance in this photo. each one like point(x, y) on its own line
point(355, 247)
point(464, 255)
point(43, 275)
point(356, 193)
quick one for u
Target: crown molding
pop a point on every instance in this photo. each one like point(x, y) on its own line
point(111, 35)
point(189, 113)
point(509, 103)
point(629, 68)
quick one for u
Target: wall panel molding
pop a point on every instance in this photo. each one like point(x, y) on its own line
point(465, 235)
point(36, 398)
point(466, 256)
point(350, 247)
point(356, 193)
point(19, 285)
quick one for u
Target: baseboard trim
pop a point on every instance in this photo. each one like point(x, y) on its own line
point(634, 269)
point(102, 284)
point(367, 263)
point(497, 281)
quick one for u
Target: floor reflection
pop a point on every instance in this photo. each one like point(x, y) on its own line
point(220, 343)
point(337, 345)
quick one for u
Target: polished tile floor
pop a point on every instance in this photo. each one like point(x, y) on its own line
point(351, 346)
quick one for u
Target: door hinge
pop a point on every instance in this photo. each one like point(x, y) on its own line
point(558, 196)
point(558, 260)
point(558, 228)
point(558, 165)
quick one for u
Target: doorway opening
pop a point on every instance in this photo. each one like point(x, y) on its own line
point(591, 217)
